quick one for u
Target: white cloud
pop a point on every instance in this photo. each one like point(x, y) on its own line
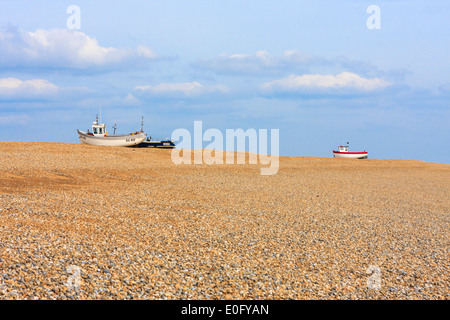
point(179, 90)
point(146, 52)
point(62, 48)
point(262, 57)
point(324, 83)
point(239, 63)
point(12, 87)
point(261, 62)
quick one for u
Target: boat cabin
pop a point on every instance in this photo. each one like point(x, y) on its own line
point(343, 148)
point(98, 129)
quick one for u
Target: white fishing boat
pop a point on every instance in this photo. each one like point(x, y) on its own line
point(344, 153)
point(100, 137)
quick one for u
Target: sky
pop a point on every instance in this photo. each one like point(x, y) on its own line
point(322, 72)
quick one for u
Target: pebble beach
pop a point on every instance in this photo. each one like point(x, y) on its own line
point(87, 222)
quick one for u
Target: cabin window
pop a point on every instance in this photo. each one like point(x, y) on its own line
point(100, 130)
point(95, 130)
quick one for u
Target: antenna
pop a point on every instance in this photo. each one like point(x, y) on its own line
point(142, 124)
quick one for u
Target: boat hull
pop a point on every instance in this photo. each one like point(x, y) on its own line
point(127, 140)
point(350, 155)
point(166, 144)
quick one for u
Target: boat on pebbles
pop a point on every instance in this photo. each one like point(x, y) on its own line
point(159, 143)
point(100, 137)
point(344, 153)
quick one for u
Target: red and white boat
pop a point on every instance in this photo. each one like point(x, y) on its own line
point(344, 153)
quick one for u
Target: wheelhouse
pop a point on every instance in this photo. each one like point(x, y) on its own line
point(98, 129)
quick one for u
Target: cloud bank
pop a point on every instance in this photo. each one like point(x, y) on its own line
point(62, 48)
point(14, 88)
point(345, 82)
point(180, 90)
point(261, 62)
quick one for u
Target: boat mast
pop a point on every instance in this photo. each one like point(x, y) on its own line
point(115, 125)
point(142, 124)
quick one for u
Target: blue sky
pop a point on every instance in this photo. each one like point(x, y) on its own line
point(312, 69)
